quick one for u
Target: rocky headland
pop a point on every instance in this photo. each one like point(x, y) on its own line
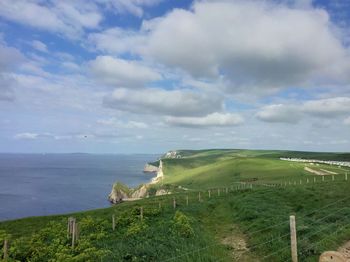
point(150, 168)
point(121, 192)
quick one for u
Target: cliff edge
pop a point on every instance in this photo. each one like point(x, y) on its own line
point(121, 192)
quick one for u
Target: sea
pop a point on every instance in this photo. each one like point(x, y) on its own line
point(47, 184)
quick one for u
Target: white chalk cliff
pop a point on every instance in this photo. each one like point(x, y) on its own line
point(122, 193)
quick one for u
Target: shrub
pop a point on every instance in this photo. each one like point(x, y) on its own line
point(152, 191)
point(182, 225)
point(136, 228)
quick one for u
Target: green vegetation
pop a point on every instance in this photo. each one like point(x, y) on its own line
point(121, 187)
point(244, 224)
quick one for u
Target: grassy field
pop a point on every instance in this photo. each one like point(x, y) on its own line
point(246, 217)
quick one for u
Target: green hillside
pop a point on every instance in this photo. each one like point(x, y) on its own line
point(245, 218)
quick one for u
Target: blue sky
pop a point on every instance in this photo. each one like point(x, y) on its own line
point(147, 76)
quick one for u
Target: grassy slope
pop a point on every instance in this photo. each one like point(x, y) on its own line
point(219, 168)
point(239, 213)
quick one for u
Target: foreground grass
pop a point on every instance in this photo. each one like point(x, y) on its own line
point(258, 218)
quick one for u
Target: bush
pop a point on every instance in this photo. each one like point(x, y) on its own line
point(51, 243)
point(182, 225)
point(152, 191)
point(135, 228)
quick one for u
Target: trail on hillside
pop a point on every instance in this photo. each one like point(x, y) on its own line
point(236, 242)
point(316, 172)
point(345, 250)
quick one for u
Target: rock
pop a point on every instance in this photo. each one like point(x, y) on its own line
point(161, 192)
point(141, 192)
point(150, 169)
point(160, 174)
point(119, 193)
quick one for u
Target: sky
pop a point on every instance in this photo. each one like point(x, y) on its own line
point(148, 76)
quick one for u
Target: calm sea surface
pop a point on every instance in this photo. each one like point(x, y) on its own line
point(44, 184)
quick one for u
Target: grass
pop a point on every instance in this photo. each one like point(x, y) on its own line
point(256, 218)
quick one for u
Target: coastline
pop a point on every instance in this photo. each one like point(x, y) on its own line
point(121, 193)
point(64, 183)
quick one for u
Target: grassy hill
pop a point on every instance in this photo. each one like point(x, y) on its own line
point(246, 217)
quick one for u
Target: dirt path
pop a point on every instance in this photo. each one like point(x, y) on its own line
point(316, 172)
point(345, 250)
point(330, 172)
point(235, 241)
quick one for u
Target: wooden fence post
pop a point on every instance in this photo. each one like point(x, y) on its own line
point(73, 233)
point(332, 177)
point(314, 179)
point(209, 193)
point(293, 239)
point(113, 222)
point(174, 203)
point(141, 213)
point(71, 222)
point(322, 178)
point(346, 176)
point(6, 247)
point(307, 181)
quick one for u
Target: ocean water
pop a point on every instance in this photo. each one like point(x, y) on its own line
point(44, 184)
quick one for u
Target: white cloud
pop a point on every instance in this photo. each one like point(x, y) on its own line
point(6, 88)
point(70, 66)
point(279, 113)
point(347, 121)
point(330, 108)
point(9, 58)
point(40, 46)
point(64, 56)
point(30, 136)
point(78, 13)
point(115, 123)
point(122, 73)
point(69, 18)
point(162, 102)
point(211, 120)
point(265, 45)
point(134, 7)
point(117, 41)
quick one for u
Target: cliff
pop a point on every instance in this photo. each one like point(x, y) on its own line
point(160, 174)
point(150, 169)
point(119, 193)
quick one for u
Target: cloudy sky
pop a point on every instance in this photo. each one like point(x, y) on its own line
point(147, 76)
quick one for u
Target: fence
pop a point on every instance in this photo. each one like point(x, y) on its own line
point(198, 197)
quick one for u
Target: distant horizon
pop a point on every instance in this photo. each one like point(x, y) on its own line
point(149, 153)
